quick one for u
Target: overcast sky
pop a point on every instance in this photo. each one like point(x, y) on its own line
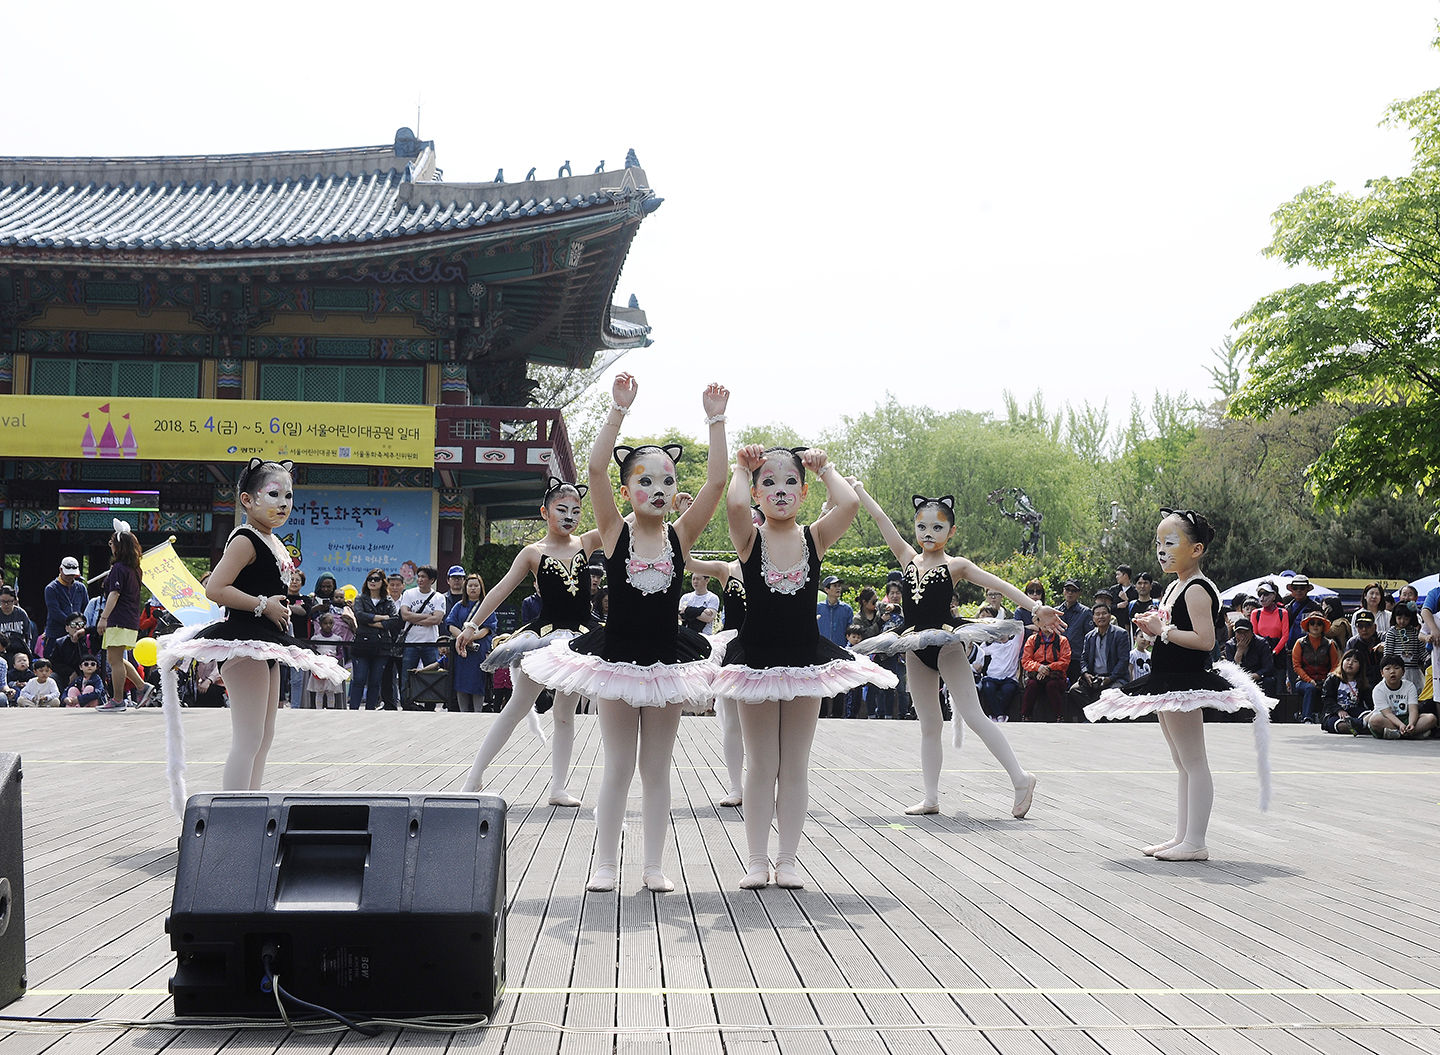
point(942, 201)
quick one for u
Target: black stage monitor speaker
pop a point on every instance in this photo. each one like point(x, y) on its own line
point(12, 883)
point(387, 905)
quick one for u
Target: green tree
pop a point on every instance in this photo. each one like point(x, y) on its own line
point(1365, 335)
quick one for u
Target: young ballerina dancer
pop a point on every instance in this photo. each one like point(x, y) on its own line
point(936, 644)
point(250, 581)
point(732, 595)
point(1182, 681)
point(558, 563)
point(778, 667)
point(641, 666)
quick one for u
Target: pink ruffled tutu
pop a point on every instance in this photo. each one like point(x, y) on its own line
point(758, 684)
point(208, 642)
point(561, 668)
point(1233, 691)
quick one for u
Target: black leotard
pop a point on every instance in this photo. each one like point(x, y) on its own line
point(926, 605)
point(734, 599)
point(642, 627)
point(780, 628)
point(564, 589)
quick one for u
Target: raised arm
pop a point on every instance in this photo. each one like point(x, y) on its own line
point(526, 562)
point(964, 568)
point(748, 460)
point(718, 570)
point(842, 501)
point(602, 495)
point(904, 552)
point(694, 519)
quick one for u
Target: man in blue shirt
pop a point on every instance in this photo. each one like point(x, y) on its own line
point(835, 617)
point(1104, 662)
point(64, 597)
point(1430, 625)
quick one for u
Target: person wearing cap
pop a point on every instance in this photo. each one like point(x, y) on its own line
point(64, 596)
point(1367, 643)
point(1253, 657)
point(1078, 622)
point(1299, 606)
point(835, 617)
point(456, 577)
point(1271, 621)
point(1312, 659)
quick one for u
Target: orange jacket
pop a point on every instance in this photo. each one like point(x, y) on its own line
point(1038, 653)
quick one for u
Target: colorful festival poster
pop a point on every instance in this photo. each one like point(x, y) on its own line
point(349, 531)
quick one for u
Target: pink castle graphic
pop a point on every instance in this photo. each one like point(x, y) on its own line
point(108, 447)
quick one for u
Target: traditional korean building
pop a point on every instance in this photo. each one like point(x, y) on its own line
point(357, 287)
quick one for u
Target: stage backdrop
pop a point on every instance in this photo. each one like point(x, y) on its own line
point(348, 531)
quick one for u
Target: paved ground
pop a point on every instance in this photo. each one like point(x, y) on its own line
point(967, 931)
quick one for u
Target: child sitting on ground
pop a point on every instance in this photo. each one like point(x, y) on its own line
point(87, 687)
point(42, 690)
point(17, 676)
point(1397, 711)
point(1342, 695)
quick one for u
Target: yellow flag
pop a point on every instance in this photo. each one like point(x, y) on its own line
point(166, 577)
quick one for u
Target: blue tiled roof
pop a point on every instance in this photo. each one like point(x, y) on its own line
point(280, 200)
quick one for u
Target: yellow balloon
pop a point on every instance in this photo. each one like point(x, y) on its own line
point(351, 593)
point(146, 651)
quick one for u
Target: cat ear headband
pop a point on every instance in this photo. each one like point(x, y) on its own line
point(948, 501)
point(255, 463)
point(121, 526)
point(554, 484)
point(673, 450)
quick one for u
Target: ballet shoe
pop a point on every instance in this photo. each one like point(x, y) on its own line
point(1183, 852)
point(1023, 797)
point(466, 789)
point(733, 799)
point(786, 875)
point(603, 879)
point(655, 880)
point(563, 798)
point(1151, 851)
point(921, 809)
point(757, 880)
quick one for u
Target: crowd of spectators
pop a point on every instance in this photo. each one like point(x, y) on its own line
point(1324, 664)
point(1362, 671)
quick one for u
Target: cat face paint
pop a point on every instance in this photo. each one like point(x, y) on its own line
point(1171, 546)
point(652, 485)
point(270, 507)
point(932, 530)
point(776, 488)
point(564, 514)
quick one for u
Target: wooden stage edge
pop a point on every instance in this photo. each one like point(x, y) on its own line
point(1312, 928)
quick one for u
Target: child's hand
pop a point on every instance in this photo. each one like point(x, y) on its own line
point(714, 399)
point(624, 389)
point(683, 501)
point(814, 459)
point(750, 457)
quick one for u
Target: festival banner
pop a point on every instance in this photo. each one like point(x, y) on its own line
point(349, 531)
point(170, 582)
point(216, 430)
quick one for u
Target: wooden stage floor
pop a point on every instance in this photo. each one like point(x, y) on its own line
point(967, 932)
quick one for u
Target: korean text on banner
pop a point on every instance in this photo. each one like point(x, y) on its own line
point(216, 430)
point(167, 578)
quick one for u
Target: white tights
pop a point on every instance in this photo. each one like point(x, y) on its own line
point(728, 712)
point(522, 698)
point(924, 685)
point(778, 737)
point(1185, 733)
point(254, 689)
point(628, 733)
